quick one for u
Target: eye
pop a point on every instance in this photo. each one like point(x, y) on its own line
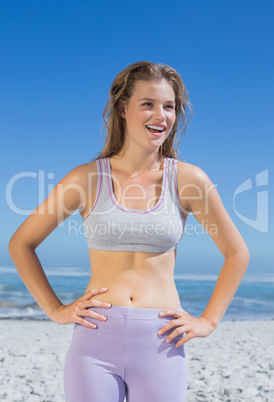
point(170, 107)
point(147, 104)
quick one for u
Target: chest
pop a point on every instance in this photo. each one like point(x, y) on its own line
point(140, 193)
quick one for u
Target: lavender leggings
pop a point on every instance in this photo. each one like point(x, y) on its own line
point(124, 357)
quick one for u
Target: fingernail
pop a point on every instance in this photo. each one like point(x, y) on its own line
point(107, 304)
point(159, 332)
point(161, 313)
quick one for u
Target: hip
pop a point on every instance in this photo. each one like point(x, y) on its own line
point(133, 329)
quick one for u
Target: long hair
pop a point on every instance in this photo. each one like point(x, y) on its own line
point(122, 89)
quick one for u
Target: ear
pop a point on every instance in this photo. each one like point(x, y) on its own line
point(122, 109)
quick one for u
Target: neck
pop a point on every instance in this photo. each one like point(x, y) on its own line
point(139, 163)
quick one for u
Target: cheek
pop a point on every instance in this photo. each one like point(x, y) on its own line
point(172, 119)
point(139, 118)
point(146, 115)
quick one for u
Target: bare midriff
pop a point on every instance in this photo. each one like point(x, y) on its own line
point(135, 279)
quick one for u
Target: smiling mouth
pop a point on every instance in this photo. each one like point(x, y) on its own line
point(158, 130)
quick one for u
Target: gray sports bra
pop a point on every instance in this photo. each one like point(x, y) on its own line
point(111, 226)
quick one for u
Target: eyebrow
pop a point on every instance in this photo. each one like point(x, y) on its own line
point(151, 99)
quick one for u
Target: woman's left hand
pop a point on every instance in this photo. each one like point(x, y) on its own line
point(192, 326)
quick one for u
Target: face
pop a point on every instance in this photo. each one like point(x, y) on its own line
point(150, 113)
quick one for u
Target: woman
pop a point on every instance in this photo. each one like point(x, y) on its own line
point(134, 199)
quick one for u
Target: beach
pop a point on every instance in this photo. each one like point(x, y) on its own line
point(235, 363)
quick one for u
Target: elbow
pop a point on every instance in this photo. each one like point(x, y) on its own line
point(246, 258)
point(243, 258)
point(245, 254)
point(11, 243)
point(241, 252)
point(240, 257)
point(12, 246)
point(15, 244)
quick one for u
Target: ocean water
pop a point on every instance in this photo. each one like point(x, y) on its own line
point(254, 299)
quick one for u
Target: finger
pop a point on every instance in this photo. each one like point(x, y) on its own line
point(171, 324)
point(178, 331)
point(99, 303)
point(176, 313)
point(184, 339)
point(85, 323)
point(93, 314)
point(94, 303)
point(165, 328)
point(93, 292)
point(184, 311)
point(86, 296)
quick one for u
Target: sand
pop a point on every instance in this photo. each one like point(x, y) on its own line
point(235, 363)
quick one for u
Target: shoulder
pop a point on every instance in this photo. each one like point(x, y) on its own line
point(81, 174)
point(193, 182)
point(189, 173)
point(79, 185)
point(84, 168)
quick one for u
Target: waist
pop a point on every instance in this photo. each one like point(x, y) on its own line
point(139, 295)
point(132, 312)
point(134, 279)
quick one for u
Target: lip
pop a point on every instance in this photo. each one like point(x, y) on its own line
point(157, 124)
point(158, 135)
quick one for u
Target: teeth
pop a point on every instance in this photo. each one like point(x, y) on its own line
point(157, 128)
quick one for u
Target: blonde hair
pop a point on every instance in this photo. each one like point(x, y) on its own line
point(122, 89)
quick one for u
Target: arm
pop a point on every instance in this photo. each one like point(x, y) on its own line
point(208, 208)
point(68, 195)
point(198, 195)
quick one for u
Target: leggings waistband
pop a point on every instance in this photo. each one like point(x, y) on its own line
point(134, 312)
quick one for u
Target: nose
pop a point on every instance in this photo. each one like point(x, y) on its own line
point(159, 113)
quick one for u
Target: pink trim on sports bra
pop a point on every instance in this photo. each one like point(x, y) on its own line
point(98, 193)
point(137, 211)
point(176, 190)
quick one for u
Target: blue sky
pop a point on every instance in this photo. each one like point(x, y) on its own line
point(58, 60)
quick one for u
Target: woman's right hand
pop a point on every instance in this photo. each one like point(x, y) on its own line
point(73, 312)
